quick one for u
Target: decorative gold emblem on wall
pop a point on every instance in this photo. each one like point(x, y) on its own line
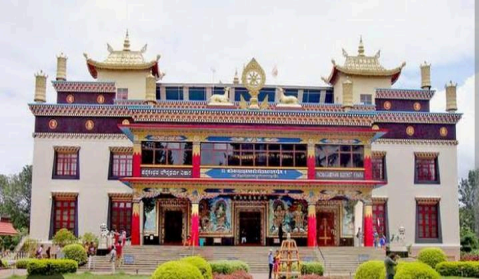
point(52, 124)
point(89, 125)
point(443, 131)
point(387, 105)
point(253, 78)
point(125, 122)
point(375, 127)
point(417, 106)
point(100, 99)
point(70, 99)
point(410, 130)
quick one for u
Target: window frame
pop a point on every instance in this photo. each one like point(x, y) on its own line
point(196, 90)
point(70, 220)
point(307, 96)
point(116, 220)
point(55, 170)
point(417, 179)
point(180, 95)
point(166, 149)
point(121, 94)
point(111, 168)
point(351, 152)
point(421, 238)
point(369, 96)
point(382, 159)
point(384, 214)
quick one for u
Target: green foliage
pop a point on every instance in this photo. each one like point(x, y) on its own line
point(371, 270)
point(461, 269)
point(177, 270)
point(30, 247)
point(22, 264)
point(75, 252)
point(228, 267)
point(64, 237)
point(312, 268)
point(431, 256)
point(50, 267)
point(201, 264)
point(469, 199)
point(89, 237)
point(415, 270)
point(15, 198)
point(469, 241)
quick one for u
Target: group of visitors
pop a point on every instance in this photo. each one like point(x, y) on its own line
point(379, 241)
point(273, 263)
point(117, 248)
point(40, 255)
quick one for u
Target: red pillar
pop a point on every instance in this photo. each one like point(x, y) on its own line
point(136, 172)
point(195, 225)
point(311, 225)
point(368, 165)
point(195, 172)
point(311, 162)
point(368, 225)
point(135, 224)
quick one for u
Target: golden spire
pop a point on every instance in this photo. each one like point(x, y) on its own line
point(126, 43)
point(361, 47)
point(236, 78)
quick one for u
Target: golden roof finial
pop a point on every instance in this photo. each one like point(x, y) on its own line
point(361, 46)
point(126, 43)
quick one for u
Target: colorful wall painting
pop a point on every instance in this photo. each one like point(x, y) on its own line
point(292, 214)
point(347, 224)
point(215, 216)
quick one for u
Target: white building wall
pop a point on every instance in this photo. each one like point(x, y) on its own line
point(92, 187)
point(402, 192)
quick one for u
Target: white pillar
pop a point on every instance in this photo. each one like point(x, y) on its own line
point(358, 221)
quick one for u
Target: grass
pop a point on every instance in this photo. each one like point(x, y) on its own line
point(85, 275)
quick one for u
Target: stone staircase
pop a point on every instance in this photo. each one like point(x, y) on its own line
point(338, 260)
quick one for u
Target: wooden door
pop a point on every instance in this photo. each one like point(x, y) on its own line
point(326, 229)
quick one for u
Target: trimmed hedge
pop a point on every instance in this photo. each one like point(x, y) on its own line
point(22, 264)
point(201, 264)
point(431, 256)
point(75, 252)
point(415, 270)
point(240, 274)
point(371, 270)
point(177, 270)
point(51, 267)
point(228, 267)
point(312, 268)
point(460, 269)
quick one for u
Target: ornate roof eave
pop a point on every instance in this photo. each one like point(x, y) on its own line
point(84, 86)
point(404, 94)
point(392, 73)
point(417, 117)
point(94, 66)
point(80, 110)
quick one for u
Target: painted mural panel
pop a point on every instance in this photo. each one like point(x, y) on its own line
point(215, 217)
point(150, 211)
point(292, 214)
point(347, 224)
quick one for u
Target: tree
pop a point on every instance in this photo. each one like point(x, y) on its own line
point(15, 197)
point(469, 202)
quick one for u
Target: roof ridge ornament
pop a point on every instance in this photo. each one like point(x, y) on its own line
point(361, 46)
point(126, 43)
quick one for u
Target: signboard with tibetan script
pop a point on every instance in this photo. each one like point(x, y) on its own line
point(166, 172)
point(226, 173)
point(339, 175)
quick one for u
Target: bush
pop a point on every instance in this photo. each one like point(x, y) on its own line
point(228, 267)
point(239, 274)
point(371, 270)
point(30, 247)
point(431, 256)
point(51, 267)
point(177, 270)
point(460, 269)
point(89, 237)
point(75, 252)
point(469, 257)
point(201, 264)
point(22, 264)
point(469, 241)
point(64, 237)
point(312, 276)
point(415, 270)
point(312, 268)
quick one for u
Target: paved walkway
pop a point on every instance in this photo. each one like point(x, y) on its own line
point(5, 273)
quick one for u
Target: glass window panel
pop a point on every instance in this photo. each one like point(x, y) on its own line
point(261, 159)
point(160, 157)
point(358, 161)
point(247, 146)
point(287, 159)
point(300, 159)
point(346, 160)
point(274, 159)
point(345, 148)
point(301, 147)
point(247, 159)
point(288, 147)
point(234, 159)
point(274, 147)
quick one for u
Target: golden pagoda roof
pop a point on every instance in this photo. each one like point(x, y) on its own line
point(362, 65)
point(124, 59)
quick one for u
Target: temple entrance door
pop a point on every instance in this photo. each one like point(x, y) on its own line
point(173, 234)
point(325, 229)
point(250, 228)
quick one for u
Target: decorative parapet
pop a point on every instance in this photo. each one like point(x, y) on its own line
point(416, 142)
point(66, 149)
point(64, 195)
point(426, 155)
point(80, 136)
point(378, 154)
point(428, 200)
point(82, 110)
point(84, 86)
point(404, 94)
point(417, 117)
point(121, 149)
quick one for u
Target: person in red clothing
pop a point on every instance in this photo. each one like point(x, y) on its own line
point(118, 248)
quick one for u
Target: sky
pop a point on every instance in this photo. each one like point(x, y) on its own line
point(194, 37)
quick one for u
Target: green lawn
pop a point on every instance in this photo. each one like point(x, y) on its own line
point(85, 275)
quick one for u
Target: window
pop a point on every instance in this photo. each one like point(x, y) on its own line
point(122, 93)
point(197, 93)
point(253, 155)
point(329, 99)
point(427, 221)
point(379, 166)
point(218, 90)
point(120, 165)
point(270, 92)
point(379, 218)
point(241, 91)
point(427, 170)
point(174, 93)
point(311, 96)
point(366, 99)
point(340, 156)
point(166, 153)
point(66, 165)
point(291, 92)
point(120, 216)
point(64, 214)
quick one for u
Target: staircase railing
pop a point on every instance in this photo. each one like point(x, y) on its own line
point(322, 255)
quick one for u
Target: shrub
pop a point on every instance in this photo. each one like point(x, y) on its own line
point(30, 247)
point(201, 264)
point(371, 270)
point(239, 274)
point(431, 256)
point(177, 270)
point(64, 237)
point(22, 264)
point(89, 237)
point(51, 267)
point(75, 252)
point(460, 269)
point(469, 257)
point(415, 270)
point(312, 268)
point(469, 241)
point(228, 267)
point(312, 276)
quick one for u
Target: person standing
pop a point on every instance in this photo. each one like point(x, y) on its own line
point(91, 253)
point(276, 264)
point(390, 262)
point(48, 252)
point(359, 240)
point(113, 259)
point(38, 253)
point(280, 233)
point(270, 262)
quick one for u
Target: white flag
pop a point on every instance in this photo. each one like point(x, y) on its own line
point(275, 71)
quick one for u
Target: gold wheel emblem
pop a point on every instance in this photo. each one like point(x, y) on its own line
point(70, 99)
point(443, 131)
point(52, 124)
point(387, 105)
point(417, 106)
point(410, 130)
point(100, 99)
point(89, 125)
point(253, 78)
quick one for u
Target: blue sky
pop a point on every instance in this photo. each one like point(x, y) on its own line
point(300, 37)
